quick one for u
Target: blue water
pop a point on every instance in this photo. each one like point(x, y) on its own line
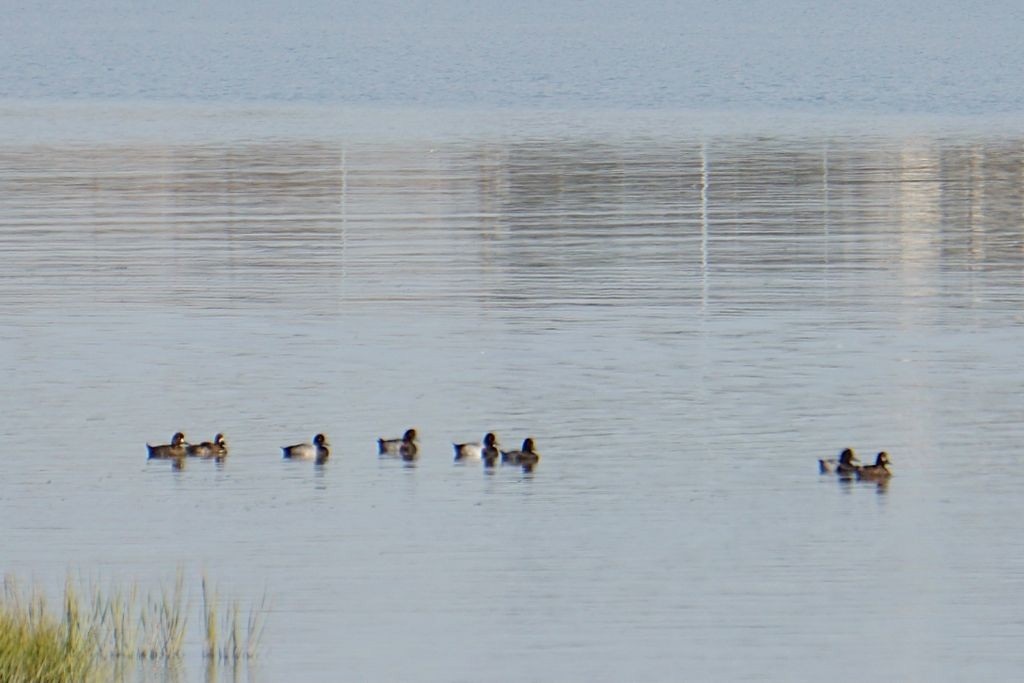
point(879, 57)
point(690, 248)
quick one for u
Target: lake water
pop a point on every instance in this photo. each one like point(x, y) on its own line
point(916, 56)
point(684, 325)
point(690, 250)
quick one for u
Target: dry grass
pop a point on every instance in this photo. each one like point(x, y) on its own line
point(42, 645)
point(242, 641)
point(38, 647)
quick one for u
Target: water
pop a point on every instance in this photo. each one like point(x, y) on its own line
point(689, 249)
point(935, 56)
point(684, 325)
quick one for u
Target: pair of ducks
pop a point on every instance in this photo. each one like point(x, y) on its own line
point(848, 466)
point(527, 457)
point(180, 448)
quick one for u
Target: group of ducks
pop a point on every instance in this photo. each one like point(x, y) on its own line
point(847, 466)
point(405, 447)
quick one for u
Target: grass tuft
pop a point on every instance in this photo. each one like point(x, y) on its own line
point(40, 645)
point(243, 638)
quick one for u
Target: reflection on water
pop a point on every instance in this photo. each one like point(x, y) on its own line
point(214, 671)
point(572, 223)
point(131, 671)
point(684, 324)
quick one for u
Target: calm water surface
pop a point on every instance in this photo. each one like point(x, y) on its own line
point(684, 322)
point(920, 56)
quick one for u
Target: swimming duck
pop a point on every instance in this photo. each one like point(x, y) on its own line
point(175, 449)
point(880, 470)
point(405, 446)
point(318, 450)
point(846, 464)
point(409, 449)
point(218, 448)
point(490, 457)
point(476, 451)
point(527, 457)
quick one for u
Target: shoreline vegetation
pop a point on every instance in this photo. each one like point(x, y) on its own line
point(94, 628)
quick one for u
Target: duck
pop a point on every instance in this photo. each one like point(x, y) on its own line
point(175, 449)
point(527, 456)
point(846, 464)
point(319, 450)
point(476, 451)
point(490, 457)
point(405, 446)
point(880, 470)
point(409, 449)
point(218, 448)
point(529, 459)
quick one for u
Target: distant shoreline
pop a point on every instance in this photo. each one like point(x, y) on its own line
point(90, 121)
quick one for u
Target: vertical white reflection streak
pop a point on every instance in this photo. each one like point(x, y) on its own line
point(824, 190)
point(703, 227)
point(343, 209)
point(344, 190)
